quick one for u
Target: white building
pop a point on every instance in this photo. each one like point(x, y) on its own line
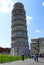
point(37, 45)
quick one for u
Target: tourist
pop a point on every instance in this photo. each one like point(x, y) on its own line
point(23, 57)
point(35, 57)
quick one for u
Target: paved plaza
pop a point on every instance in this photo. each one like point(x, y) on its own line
point(26, 62)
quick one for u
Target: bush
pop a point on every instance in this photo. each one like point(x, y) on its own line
point(8, 58)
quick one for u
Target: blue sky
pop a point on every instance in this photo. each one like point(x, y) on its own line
point(34, 16)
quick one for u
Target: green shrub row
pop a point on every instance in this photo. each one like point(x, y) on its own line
point(8, 58)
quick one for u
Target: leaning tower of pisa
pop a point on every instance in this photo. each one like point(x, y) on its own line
point(19, 38)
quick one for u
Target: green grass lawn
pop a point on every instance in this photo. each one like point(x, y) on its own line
point(8, 58)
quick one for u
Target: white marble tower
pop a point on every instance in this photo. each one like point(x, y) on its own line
point(19, 38)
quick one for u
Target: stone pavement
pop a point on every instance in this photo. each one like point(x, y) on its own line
point(26, 62)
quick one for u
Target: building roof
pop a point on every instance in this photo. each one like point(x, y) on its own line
point(33, 42)
point(4, 50)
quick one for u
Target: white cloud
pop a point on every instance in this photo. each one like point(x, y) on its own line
point(28, 18)
point(6, 6)
point(37, 31)
point(43, 3)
